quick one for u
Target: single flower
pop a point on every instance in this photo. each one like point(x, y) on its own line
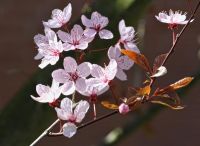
point(59, 17)
point(48, 94)
point(49, 48)
point(123, 62)
point(106, 74)
point(173, 18)
point(74, 40)
point(127, 35)
point(66, 113)
point(95, 25)
point(72, 76)
point(95, 87)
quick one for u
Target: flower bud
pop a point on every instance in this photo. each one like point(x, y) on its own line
point(123, 109)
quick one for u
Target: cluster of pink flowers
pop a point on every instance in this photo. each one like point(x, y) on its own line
point(90, 80)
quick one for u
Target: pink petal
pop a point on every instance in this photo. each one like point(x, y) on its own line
point(65, 37)
point(80, 85)
point(86, 22)
point(121, 75)
point(105, 34)
point(88, 32)
point(70, 64)
point(124, 62)
point(84, 69)
point(60, 76)
point(68, 47)
point(97, 71)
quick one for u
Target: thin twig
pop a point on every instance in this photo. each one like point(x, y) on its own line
point(177, 39)
point(51, 134)
point(44, 133)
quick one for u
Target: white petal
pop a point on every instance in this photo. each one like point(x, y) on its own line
point(40, 40)
point(68, 47)
point(76, 32)
point(113, 52)
point(43, 99)
point(69, 130)
point(68, 88)
point(121, 26)
point(80, 110)
point(84, 69)
point(38, 56)
point(86, 22)
point(67, 12)
point(97, 71)
point(161, 71)
point(62, 114)
point(52, 23)
point(121, 75)
point(88, 32)
point(60, 76)
point(67, 105)
point(133, 48)
point(105, 34)
point(82, 46)
point(70, 64)
point(42, 89)
point(44, 63)
point(111, 70)
point(51, 35)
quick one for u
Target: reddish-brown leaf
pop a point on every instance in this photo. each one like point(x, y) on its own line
point(158, 62)
point(144, 91)
point(139, 59)
point(175, 107)
point(109, 105)
point(182, 83)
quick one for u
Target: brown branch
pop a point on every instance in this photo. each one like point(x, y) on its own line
point(51, 134)
point(47, 133)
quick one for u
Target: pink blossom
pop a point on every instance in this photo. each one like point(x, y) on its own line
point(127, 35)
point(173, 19)
point(47, 94)
point(123, 109)
point(96, 25)
point(72, 76)
point(59, 17)
point(95, 87)
point(49, 48)
point(123, 62)
point(66, 113)
point(106, 74)
point(74, 40)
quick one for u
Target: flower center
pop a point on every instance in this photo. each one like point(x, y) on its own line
point(73, 76)
point(72, 119)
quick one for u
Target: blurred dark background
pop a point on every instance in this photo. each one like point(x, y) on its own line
point(22, 120)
